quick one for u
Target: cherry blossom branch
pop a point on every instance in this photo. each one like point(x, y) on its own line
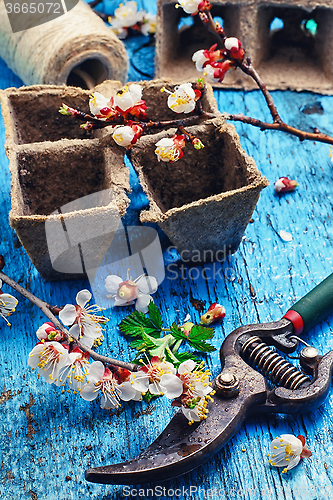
point(120, 120)
point(249, 70)
point(47, 310)
point(235, 57)
point(283, 127)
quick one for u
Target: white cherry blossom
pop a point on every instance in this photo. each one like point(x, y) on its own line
point(123, 135)
point(7, 305)
point(189, 6)
point(101, 380)
point(86, 325)
point(148, 24)
point(163, 378)
point(75, 370)
point(128, 97)
point(287, 450)
point(49, 358)
point(125, 16)
point(127, 292)
point(199, 59)
point(182, 99)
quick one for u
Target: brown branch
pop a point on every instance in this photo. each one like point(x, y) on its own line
point(212, 26)
point(45, 308)
point(278, 124)
point(249, 70)
point(96, 123)
point(283, 127)
point(180, 122)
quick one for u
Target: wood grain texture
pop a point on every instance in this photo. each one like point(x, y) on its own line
point(48, 439)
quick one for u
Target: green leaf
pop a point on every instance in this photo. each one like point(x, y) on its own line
point(177, 332)
point(147, 397)
point(197, 337)
point(200, 345)
point(137, 344)
point(132, 324)
point(198, 334)
point(185, 356)
point(155, 315)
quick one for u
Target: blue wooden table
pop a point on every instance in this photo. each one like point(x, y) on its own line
point(48, 439)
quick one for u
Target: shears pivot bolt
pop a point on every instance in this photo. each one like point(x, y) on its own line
point(227, 385)
point(309, 354)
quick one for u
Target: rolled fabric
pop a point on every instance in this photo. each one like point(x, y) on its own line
point(76, 48)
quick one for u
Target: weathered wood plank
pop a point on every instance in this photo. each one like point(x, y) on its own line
point(48, 439)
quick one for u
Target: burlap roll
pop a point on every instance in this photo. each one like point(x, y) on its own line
point(76, 48)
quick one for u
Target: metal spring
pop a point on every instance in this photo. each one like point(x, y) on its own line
point(272, 365)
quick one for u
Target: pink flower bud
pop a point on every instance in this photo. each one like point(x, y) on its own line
point(186, 328)
point(285, 185)
point(215, 313)
point(127, 290)
point(234, 48)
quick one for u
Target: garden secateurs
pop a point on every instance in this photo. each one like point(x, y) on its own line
point(242, 389)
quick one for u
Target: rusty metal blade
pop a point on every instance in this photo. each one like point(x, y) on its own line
point(182, 447)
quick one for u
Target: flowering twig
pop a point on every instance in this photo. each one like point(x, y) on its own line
point(47, 310)
point(120, 120)
point(302, 135)
point(216, 62)
point(61, 357)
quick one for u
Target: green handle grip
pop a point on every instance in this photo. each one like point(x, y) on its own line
point(314, 307)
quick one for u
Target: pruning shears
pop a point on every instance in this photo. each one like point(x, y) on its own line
point(247, 361)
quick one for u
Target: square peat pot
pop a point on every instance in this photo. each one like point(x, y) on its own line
point(68, 186)
point(204, 201)
point(290, 43)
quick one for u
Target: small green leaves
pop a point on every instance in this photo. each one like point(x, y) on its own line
point(152, 324)
point(147, 334)
point(196, 337)
point(64, 110)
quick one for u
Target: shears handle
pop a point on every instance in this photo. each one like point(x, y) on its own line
point(313, 308)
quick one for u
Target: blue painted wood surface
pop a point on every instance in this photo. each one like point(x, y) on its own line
point(48, 439)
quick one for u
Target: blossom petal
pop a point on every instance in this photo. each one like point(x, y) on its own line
point(75, 331)
point(140, 381)
point(107, 404)
point(171, 385)
point(83, 297)
point(87, 341)
point(190, 414)
point(7, 304)
point(68, 314)
point(33, 359)
point(186, 366)
point(142, 303)
point(126, 391)
point(98, 102)
point(112, 283)
point(293, 462)
point(147, 284)
point(122, 302)
point(96, 371)
point(89, 392)
point(155, 388)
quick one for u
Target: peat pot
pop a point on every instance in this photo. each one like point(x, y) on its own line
point(69, 186)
